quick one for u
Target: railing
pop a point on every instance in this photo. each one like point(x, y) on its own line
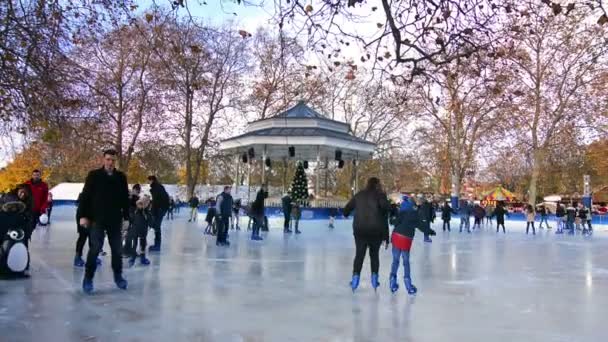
point(273, 202)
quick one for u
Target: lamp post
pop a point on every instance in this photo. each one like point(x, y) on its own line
point(587, 191)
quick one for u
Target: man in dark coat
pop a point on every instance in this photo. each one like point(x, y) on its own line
point(193, 203)
point(257, 213)
point(500, 213)
point(370, 227)
point(286, 201)
point(224, 209)
point(426, 213)
point(160, 205)
point(103, 207)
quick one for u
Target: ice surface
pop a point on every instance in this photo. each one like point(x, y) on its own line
point(479, 287)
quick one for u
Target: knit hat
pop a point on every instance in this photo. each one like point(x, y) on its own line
point(406, 204)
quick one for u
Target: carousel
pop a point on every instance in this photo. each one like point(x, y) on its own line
point(298, 134)
point(498, 194)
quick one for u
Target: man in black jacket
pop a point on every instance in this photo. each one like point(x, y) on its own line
point(194, 202)
point(286, 202)
point(103, 207)
point(370, 227)
point(160, 205)
point(224, 209)
point(257, 213)
point(426, 213)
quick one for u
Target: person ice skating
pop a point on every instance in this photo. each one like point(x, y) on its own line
point(39, 191)
point(370, 228)
point(286, 204)
point(160, 205)
point(193, 203)
point(446, 215)
point(224, 210)
point(530, 216)
point(141, 221)
point(500, 213)
point(22, 216)
point(405, 223)
point(582, 216)
point(257, 213)
point(236, 213)
point(590, 231)
point(465, 216)
point(104, 205)
point(489, 215)
point(83, 235)
point(425, 211)
point(49, 206)
point(570, 218)
point(211, 217)
point(560, 218)
point(543, 217)
point(171, 208)
point(478, 214)
point(296, 215)
point(333, 212)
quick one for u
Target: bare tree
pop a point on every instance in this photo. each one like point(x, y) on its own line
point(557, 60)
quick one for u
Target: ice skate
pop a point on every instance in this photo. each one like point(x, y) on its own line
point(143, 260)
point(121, 282)
point(411, 289)
point(393, 283)
point(354, 283)
point(78, 262)
point(87, 286)
point(375, 282)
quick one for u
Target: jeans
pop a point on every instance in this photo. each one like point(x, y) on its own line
point(570, 225)
point(258, 222)
point(466, 222)
point(193, 214)
point(528, 227)
point(96, 236)
point(543, 219)
point(223, 223)
point(361, 244)
point(397, 255)
point(287, 218)
point(446, 223)
point(158, 220)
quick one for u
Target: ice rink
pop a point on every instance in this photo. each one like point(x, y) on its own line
point(472, 287)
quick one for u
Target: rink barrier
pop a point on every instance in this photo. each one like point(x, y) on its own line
point(323, 213)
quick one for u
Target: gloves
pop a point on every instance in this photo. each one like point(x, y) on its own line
point(432, 233)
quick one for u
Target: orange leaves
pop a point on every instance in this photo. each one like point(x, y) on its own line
point(308, 8)
point(602, 20)
point(149, 17)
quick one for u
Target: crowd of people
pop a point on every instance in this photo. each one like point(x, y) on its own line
point(106, 208)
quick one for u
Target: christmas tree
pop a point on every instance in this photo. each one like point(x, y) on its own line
point(299, 186)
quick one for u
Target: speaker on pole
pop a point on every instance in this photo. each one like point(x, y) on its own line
point(305, 164)
point(338, 155)
point(251, 153)
point(267, 162)
point(244, 158)
point(340, 164)
point(292, 151)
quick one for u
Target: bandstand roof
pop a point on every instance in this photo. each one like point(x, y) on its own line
point(308, 131)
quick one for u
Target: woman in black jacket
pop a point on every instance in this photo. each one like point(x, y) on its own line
point(257, 213)
point(446, 215)
point(370, 227)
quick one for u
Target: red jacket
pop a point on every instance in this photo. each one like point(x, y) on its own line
point(40, 193)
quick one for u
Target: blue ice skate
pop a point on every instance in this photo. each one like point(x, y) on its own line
point(87, 286)
point(427, 239)
point(144, 261)
point(375, 282)
point(354, 283)
point(132, 261)
point(78, 262)
point(393, 283)
point(411, 289)
point(121, 282)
